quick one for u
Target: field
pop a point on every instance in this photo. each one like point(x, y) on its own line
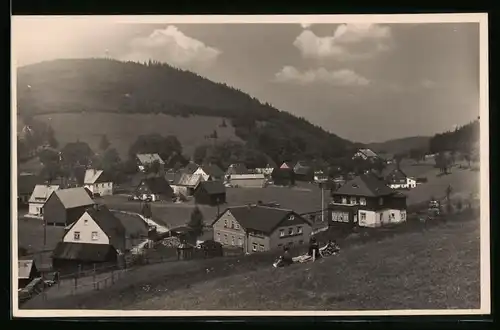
point(434, 269)
point(123, 129)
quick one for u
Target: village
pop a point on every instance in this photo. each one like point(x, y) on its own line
point(87, 228)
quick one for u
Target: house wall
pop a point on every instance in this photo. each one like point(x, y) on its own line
point(102, 188)
point(296, 238)
point(204, 175)
point(411, 183)
point(228, 231)
point(248, 183)
point(85, 226)
point(54, 212)
point(372, 203)
point(35, 208)
point(178, 190)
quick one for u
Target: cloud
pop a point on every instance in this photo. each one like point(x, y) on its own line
point(172, 46)
point(349, 41)
point(344, 77)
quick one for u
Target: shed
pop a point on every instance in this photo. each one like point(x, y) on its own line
point(27, 272)
point(210, 193)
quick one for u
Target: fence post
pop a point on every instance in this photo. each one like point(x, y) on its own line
point(93, 276)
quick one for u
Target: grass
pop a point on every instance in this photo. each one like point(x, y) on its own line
point(434, 269)
point(123, 129)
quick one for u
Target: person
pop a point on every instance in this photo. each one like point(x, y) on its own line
point(313, 246)
point(287, 258)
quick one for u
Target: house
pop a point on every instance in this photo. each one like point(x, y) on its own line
point(320, 176)
point(190, 168)
point(26, 183)
point(210, 172)
point(267, 170)
point(303, 172)
point(65, 206)
point(98, 182)
point(260, 228)
point(39, 197)
point(210, 193)
point(287, 166)
point(238, 168)
point(170, 176)
point(27, 272)
point(386, 157)
point(366, 201)
point(155, 188)
point(397, 179)
point(365, 154)
point(184, 183)
point(247, 180)
point(283, 177)
point(97, 236)
point(146, 160)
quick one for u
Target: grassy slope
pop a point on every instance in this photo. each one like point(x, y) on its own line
point(123, 129)
point(433, 269)
point(401, 145)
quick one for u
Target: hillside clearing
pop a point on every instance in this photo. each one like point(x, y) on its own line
point(123, 129)
point(434, 269)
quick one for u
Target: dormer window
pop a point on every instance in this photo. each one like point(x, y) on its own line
point(344, 200)
point(362, 201)
point(353, 200)
point(291, 217)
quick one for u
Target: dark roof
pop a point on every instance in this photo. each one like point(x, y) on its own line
point(110, 224)
point(282, 173)
point(73, 197)
point(365, 185)
point(81, 251)
point(133, 224)
point(212, 187)
point(238, 168)
point(396, 175)
point(212, 170)
point(261, 218)
point(158, 185)
point(170, 176)
point(190, 168)
point(26, 184)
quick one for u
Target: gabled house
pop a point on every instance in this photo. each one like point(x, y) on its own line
point(98, 183)
point(190, 168)
point(39, 197)
point(65, 206)
point(247, 180)
point(267, 170)
point(26, 183)
point(184, 183)
point(155, 188)
point(287, 166)
point(27, 272)
point(238, 168)
point(210, 172)
point(97, 236)
point(365, 154)
point(303, 172)
point(366, 201)
point(260, 228)
point(210, 193)
point(283, 177)
point(397, 179)
point(146, 160)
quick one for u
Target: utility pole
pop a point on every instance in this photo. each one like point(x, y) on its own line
point(322, 202)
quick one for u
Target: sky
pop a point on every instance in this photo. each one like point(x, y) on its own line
point(364, 82)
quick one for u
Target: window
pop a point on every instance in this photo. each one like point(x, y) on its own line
point(282, 233)
point(403, 216)
point(225, 238)
point(362, 216)
point(254, 247)
point(362, 201)
point(393, 215)
point(237, 225)
point(76, 235)
point(232, 224)
point(353, 200)
point(261, 247)
point(290, 231)
point(381, 217)
point(291, 217)
point(344, 200)
point(232, 240)
point(218, 237)
point(225, 223)
point(94, 236)
point(299, 230)
point(85, 222)
point(240, 241)
point(340, 216)
point(381, 201)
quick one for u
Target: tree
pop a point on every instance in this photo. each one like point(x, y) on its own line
point(154, 167)
point(416, 154)
point(104, 143)
point(77, 153)
point(51, 138)
point(398, 158)
point(155, 143)
point(48, 156)
point(196, 222)
point(51, 171)
point(468, 159)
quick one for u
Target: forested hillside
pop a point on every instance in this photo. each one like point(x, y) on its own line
point(463, 139)
point(110, 86)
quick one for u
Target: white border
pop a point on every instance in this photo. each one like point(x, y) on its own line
point(480, 18)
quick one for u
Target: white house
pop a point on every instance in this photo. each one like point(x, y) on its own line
point(97, 182)
point(365, 154)
point(210, 172)
point(184, 183)
point(397, 179)
point(38, 198)
point(144, 160)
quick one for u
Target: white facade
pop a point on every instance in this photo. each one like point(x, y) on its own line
point(380, 218)
point(265, 170)
point(35, 209)
point(102, 188)
point(38, 198)
point(247, 180)
point(86, 230)
point(202, 173)
point(409, 184)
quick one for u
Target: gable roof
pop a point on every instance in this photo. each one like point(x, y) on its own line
point(368, 152)
point(74, 197)
point(260, 218)
point(396, 175)
point(158, 185)
point(42, 192)
point(92, 175)
point(109, 224)
point(287, 165)
point(188, 180)
point(212, 187)
point(212, 170)
point(238, 168)
point(190, 168)
point(25, 267)
point(133, 224)
point(366, 185)
point(147, 159)
point(253, 176)
point(26, 183)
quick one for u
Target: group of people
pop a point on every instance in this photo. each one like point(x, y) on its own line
point(331, 246)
